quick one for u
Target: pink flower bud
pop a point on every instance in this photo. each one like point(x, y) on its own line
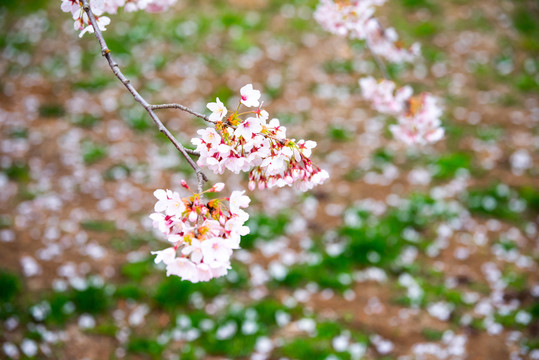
point(217, 187)
point(184, 184)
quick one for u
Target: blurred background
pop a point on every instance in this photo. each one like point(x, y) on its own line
point(404, 254)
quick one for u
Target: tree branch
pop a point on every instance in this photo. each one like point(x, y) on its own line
point(379, 62)
point(201, 177)
point(184, 108)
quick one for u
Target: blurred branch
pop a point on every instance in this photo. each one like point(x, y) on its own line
point(379, 62)
point(201, 177)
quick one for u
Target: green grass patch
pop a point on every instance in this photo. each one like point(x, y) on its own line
point(93, 152)
point(10, 286)
point(51, 110)
point(499, 201)
point(92, 300)
point(98, 225)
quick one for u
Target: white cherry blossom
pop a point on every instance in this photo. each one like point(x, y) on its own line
point(166, 256)
point(218, 110)
point(248, 127)
point(249, 96)
point(203, 236)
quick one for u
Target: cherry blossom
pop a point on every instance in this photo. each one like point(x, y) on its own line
point(238, 201)
point(71, 6)
point(418, 116)
point(100, 7)
point(383, 96)
point(249, 96)
point(203, 233)
point(253, 145)
point(247, 128)
point(169, 202)
point(421, 123)
point(218, 110)
point(82, 22)
point(385, 42)
point(166, 256)
point(355, 19)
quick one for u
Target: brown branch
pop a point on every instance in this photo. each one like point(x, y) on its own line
point(201, 177)
point(379, 62)
point(184, 108)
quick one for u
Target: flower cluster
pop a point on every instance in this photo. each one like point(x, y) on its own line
point(354, 18)
point(256, 145)
point(202, 234)
point(418, 116)
point(100, 7)
point(385, 42)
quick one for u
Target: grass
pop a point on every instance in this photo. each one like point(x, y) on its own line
point(93, 152)
point(98, 225)
point(10, 286)
point(368, 240)
point(502, 202)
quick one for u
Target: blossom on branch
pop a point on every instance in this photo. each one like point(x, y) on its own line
point(418, 116)
point(354, 19)
point(218, 110)
point(421, 123)
point(249, 96)
point(385, 42)
point(100, 7)
point(202, 234)
point(383, 96)
point(253, 145)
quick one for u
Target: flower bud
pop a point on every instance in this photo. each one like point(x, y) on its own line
point(217, 187)
point(184, 184)
point(252, 185)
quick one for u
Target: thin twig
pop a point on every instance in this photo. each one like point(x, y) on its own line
point(184, 108)
point(379, 62)
point(192, 152)
point(201, 177)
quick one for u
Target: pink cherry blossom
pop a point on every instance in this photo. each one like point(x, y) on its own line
point(217, 187)
point(170, 202)
point(248, 127)
point(421, 123)
point(216, 250)
point(218, 110)
point(249, 96)
point(100, 7)
point(166, 256)
point(204, 235)
point(383, 96)
point(184, 268)
point(238, 201)
point(260, 148)
point(204, 272)
point(355, 19)
point(385, 43)
point(71, 6)
point(418, 116)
